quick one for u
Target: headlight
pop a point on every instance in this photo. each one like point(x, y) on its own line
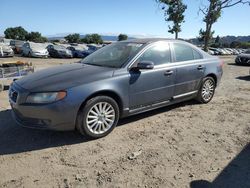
point(42, 98)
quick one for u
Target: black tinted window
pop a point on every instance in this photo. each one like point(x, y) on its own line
point(185, 53)
point(158, 54)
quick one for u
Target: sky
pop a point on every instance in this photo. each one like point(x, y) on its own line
point(111, 17)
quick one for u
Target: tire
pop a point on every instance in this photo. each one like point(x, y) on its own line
point(207, 90)
point(93, 122)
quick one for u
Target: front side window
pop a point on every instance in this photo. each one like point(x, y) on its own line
point(158, 54)
point(114, 55)
point(185, 53)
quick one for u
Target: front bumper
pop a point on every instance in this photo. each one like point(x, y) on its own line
point(7, 54)
point(39, 55)
point(55, 116)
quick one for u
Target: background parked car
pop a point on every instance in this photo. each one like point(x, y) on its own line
point(16, 46)
point(243, 59)
point(59, 51)
point(78, 51)
point(6, 50)
point(32, 49)
point(91, 48)
point(215, 51)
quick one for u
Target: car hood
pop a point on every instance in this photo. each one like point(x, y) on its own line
point(41, 50)
point(5, 48)
point(64, 77)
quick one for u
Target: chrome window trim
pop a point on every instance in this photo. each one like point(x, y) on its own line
point(138, 55)
point(171, 64)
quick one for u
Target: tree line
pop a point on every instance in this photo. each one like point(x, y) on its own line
point(19, 33)
point(219, 43)
point(90, 38)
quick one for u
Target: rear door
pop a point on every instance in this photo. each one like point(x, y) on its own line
point(152, 85)
point(189, 69)
point(25, 49)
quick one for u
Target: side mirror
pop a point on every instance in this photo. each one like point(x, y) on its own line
point(145, 65)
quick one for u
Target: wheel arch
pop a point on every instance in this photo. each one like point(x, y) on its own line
point(213, 76)
point(107, 93)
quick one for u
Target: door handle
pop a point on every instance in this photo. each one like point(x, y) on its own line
point(200, 67)
point(168, 72)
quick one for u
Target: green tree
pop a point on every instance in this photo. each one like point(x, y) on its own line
point(235, 44)
point(173, 12)
point(17, 33)
point(93, 38)
point(97, 39)
point(212, 12)
point(122, 37)
point(217, 42)
point(35, 37)
point(73, 38)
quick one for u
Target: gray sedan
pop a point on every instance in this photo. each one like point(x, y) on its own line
point(119, 80)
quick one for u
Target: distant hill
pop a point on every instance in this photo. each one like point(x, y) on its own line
point(226, 39)
point(229, 39)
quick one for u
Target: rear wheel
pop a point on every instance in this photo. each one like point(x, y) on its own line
point(98, 117)
point(207, 90)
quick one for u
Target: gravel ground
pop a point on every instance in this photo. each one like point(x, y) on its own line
point(185, 145)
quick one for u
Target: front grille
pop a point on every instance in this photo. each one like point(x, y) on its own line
point(13, 94)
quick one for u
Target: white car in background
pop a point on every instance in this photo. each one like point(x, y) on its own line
point(32, 49)
point(6, 50)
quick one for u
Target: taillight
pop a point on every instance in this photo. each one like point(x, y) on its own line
point(221, 63)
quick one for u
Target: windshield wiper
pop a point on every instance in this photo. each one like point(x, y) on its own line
point(110, 66)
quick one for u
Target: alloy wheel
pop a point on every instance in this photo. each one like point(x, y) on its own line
point(208, 90)
point(100, 118)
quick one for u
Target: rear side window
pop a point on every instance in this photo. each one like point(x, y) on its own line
point(185, 53)
point(158, 54)
point(197, 55)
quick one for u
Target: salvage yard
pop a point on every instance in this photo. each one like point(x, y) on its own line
point(185, 145)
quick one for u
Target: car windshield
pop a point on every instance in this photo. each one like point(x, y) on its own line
point(247, 52)
point(38, 46)
point(59, 47)
point(80, 48)
point(113, 55)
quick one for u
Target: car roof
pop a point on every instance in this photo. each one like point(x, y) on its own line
point(151, 40)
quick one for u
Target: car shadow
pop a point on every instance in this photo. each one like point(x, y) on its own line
point(245, 78)
point(239, 65)
point(16, 139)
point(143, 115)
point(236, 174)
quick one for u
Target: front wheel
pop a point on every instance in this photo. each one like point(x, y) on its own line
point(98, 117)
point(207, 90)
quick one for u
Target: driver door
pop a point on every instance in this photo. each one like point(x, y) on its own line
point(151, 86)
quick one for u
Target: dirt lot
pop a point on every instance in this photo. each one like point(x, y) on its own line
point(185, 145)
